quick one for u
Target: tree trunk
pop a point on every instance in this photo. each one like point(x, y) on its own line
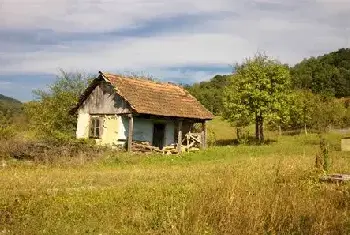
point(239, 133)
point(257, 127)
point(279, 130)
point(262, 137)
point(305, 129)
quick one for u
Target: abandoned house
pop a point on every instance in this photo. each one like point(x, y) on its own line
point(121, 111)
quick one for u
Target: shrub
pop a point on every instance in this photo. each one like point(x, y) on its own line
point(7, 132)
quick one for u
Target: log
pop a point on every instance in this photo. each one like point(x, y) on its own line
point(179, 136)
point(336, 178)
point(131, 131)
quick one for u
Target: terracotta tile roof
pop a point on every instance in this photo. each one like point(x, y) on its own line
point(161, 99)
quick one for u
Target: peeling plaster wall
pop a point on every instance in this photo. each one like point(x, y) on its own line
point(124, 126)
point(115, 129)
point(83, 125)
point(110, 130)
point(105, 103)
point(169, 133)
point(143, 129)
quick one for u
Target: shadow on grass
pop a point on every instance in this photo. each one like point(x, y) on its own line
point(251, 141)
point(292, 133)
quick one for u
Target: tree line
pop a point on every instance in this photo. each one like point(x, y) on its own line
point(260, 91)
point(310, 95)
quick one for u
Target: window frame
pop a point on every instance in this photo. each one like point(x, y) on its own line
point(93, 127)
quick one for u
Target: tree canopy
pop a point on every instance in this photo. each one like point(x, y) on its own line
point(49, 113)
point(327, 75)
point(9, 108)
point(257, 92)
point(210, 93)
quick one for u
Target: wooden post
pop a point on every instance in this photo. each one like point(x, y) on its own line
point(204, 135)
point(179, 136)
point(131, 131)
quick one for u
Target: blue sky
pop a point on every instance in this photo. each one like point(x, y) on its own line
point(180, 41)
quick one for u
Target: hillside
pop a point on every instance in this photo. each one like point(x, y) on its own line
point(9, 99)
point(209, 93)
point(9, 106)
point(328, 74)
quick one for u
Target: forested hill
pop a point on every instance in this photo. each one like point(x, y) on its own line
point(7, 99)
point(328, 74)
point(209, 93)
point(9, 105)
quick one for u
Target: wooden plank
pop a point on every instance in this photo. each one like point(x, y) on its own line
point(336, 178)
point(103, 100)
point(131, 131)
point(204, 135)
point(179, 136)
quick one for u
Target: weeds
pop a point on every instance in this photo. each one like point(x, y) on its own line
point(267, 189)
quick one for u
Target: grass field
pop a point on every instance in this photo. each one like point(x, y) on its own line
point(270, 189)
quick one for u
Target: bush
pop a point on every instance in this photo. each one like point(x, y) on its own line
point(7, 132)
point(51, 151)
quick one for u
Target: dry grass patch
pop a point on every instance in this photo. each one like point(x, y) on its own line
point(270, 189)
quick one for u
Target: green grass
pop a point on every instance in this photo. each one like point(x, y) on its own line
point(222, 129)
point(269, 189)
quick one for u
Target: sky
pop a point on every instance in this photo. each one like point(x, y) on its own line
point(181, 41)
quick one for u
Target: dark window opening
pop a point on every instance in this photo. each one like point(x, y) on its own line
point(158, 135)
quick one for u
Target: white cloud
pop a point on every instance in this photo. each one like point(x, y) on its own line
point(97, 15)
point(136, 53)
point(287, 30)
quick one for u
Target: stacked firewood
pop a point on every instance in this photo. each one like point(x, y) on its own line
point(146, 147)
point(191, 143)
point(143, 147)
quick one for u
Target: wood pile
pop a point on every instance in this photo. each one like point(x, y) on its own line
point(336, 178)
point(191, 142)
point(146, 147)
point(143, 146)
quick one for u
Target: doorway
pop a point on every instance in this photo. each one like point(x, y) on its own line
point(158, 135)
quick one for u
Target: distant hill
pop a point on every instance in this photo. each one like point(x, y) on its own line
point(210, 93)
point(328, 74)
point(9, 100)
point(9, 105)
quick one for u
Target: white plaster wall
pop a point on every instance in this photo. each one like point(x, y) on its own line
point(143, 130)
point(115, 129)
point(169, 133)
point(83, 125)
point(110, 130)
point(123, 129)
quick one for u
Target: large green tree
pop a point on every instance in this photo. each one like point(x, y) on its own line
point(49, 113)
point(316, 112)
point(258, 92)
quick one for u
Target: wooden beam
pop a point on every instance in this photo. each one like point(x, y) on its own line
point(179, 136)
point(204, 135)
point(131, 131)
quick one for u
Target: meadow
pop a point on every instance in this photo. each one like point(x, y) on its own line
point(236, 189)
